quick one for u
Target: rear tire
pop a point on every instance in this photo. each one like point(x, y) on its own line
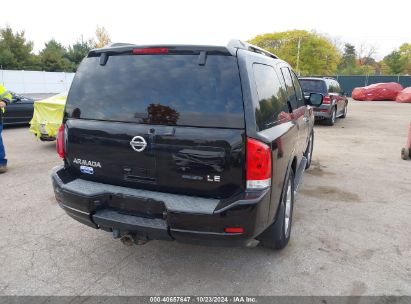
point(309, 151)
point(344, 115)
point(278, 234)
point(331, 121)
point(405, 153)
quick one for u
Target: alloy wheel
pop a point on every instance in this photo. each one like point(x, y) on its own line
point(288, 206)
point(333, 115)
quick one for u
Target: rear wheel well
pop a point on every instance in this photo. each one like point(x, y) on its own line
point(293, 168)
point(294, 164)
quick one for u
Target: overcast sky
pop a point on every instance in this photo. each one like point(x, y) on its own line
point(385, 25)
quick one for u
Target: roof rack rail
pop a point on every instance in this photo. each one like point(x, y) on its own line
point(117, 44)
point(110, 47)
point(238, 44)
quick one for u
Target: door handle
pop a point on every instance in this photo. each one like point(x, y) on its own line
point(167, 131)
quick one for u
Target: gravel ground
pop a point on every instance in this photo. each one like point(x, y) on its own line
point(351, 233)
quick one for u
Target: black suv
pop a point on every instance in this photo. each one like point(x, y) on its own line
point(203, 144)
point(335, 103)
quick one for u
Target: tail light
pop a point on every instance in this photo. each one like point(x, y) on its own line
point(150, 51)
point(60, 142)
point(327, 99)
point(258, 171)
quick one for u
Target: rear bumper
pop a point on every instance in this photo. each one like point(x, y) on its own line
point(44, 131)
point(323, 111)
point(44, 137)
point(148, 215)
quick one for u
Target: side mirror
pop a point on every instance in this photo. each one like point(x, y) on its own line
point(315, 99)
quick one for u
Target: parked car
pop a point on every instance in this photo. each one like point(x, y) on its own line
point(48, 116)
point(19, 111)
point(335, 103)
point(200, 144)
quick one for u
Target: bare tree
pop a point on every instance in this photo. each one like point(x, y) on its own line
point(102, 36)
point(337, 41)
point(365, 53)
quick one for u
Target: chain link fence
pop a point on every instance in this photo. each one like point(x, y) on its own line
point(348, 83)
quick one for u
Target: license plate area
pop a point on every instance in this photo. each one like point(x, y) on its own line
point(139, 206)
point(43, 129)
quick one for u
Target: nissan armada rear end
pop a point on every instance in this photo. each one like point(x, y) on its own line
point(199, 144)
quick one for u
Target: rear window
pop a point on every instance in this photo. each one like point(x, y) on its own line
point(159, 89)
point(333, 87)
point(313, 86)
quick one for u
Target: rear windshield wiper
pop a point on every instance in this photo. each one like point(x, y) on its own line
point(103, 58)
point(202, 58)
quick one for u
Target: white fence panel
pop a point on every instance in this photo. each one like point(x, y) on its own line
point(35, 81)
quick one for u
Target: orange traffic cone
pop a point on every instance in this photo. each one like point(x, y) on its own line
point(406, 152)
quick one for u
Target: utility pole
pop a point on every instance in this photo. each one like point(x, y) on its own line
point(298, 56)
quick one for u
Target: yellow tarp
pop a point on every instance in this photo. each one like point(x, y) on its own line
point(48, 115)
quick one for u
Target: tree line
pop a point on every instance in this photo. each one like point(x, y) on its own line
point(310, 53)
point(16, 52)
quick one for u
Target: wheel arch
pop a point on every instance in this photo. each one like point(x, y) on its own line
point(292, 165)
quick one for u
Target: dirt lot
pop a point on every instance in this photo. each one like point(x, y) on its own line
point(351, 234)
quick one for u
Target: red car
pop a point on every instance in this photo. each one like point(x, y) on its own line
point(335, 103)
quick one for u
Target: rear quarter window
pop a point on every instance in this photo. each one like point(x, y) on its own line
point(333, 86)
point(338, 87)
point(159, 89)
point(298, 90)
point(292, 98)
point(271, 95)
